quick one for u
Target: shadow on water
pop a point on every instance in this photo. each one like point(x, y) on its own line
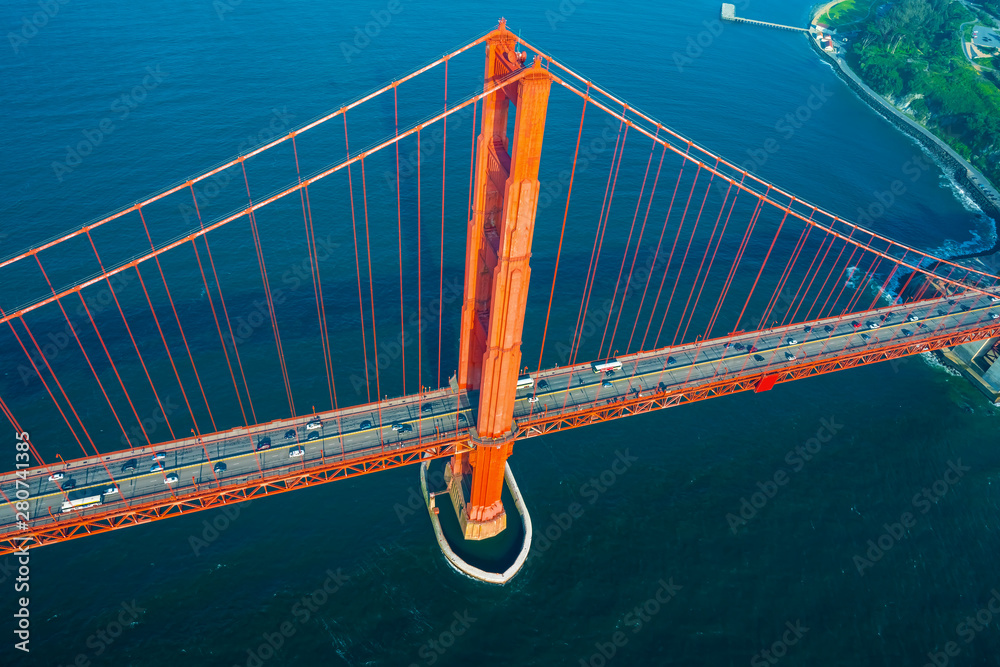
point(495, 554)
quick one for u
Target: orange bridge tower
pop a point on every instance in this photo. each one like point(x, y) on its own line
point(497, 271)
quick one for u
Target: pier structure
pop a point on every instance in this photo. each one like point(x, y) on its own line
point(729, 14)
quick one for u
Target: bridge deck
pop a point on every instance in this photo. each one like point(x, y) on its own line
point(440, 419)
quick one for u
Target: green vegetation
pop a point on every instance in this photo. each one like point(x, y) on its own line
point(909, 51)
point(847, 11)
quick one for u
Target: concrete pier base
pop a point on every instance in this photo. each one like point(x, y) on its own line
point(978, 363)
point(454, 559)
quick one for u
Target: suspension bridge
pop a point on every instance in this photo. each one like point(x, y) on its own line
point(700, 280)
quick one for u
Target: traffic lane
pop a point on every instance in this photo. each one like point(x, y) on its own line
point(844, 341)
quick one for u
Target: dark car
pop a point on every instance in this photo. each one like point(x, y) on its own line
point(263, 443)
point(941, 312)
point(738, 346)
point(130, 465)
point(313, 436)
point(461, 417)
point(906, 332)
point(404, 428)
point(671, 361)
point(426, 407)
point(219, 467)
point(543, 384)
point(607, 383)
point(808, 329)
point(828, 328)
point(365, 425)
point(752, 348)
point(290, 434)
point(965, 307)
point(757, 357)
point(69, 484)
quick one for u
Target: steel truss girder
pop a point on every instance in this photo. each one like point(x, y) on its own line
point(80, 525)
point(596, 413)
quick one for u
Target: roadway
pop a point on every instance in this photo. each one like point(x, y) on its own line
point(344, 434)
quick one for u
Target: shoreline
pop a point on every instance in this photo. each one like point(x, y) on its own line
point(952, 163)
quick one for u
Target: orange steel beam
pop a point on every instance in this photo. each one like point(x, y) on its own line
point(497, 271)
point(208, 496)
point(81, 525)
point(654, 400)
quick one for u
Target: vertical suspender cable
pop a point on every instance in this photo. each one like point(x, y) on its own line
point(267, 292)
point(211, 303)
point(444, 158)
point(357, 263)
point(562, 232)
point(180, 328)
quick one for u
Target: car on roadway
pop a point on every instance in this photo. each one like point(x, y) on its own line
point(727, 345)
point(883, 318)
point(170, 479)
point(158, 456)
point(906, 332)
point(314, 424)
point(156, 467)
point(56, 475)
point(941, 312)
point(791, 341)
point(130, 465)
point(789, 356)
point(69, 484)
point(828, 328)
point(671, 361)
point(263, 444)
point(752, 348)
point(532, 399)
point(865, 336)
point(543, 384)
point(607, 383)
point(873, 324)
point(462, 417)
point(111, 491)
point(965, 307)
point(994, 299)
point(219, 467)
point(994, 316)
point(406, 428)
point(426, 407)
point(856, 324)
point(921, 325)
point(912, 318)
point(295, 452)
point(365, 425)
point(738, 346)
point(757, 357)
point(290, 434)
point(807, 329)
point(313, 436)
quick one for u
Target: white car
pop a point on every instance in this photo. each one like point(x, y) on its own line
point(913, 318)
point(313, 425)
point(159, 456)
point(993, 316)
point(55, 476)
point(791, 341)
point(994, 299)
point(789, 356)
point(170, 479)
point(295, 452)
point(532, 399)
point(874, 325)
point(111, 491)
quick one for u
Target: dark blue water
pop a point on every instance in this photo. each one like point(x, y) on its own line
point(203, 82)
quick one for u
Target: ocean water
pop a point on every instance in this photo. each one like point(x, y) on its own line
point(756, 522)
